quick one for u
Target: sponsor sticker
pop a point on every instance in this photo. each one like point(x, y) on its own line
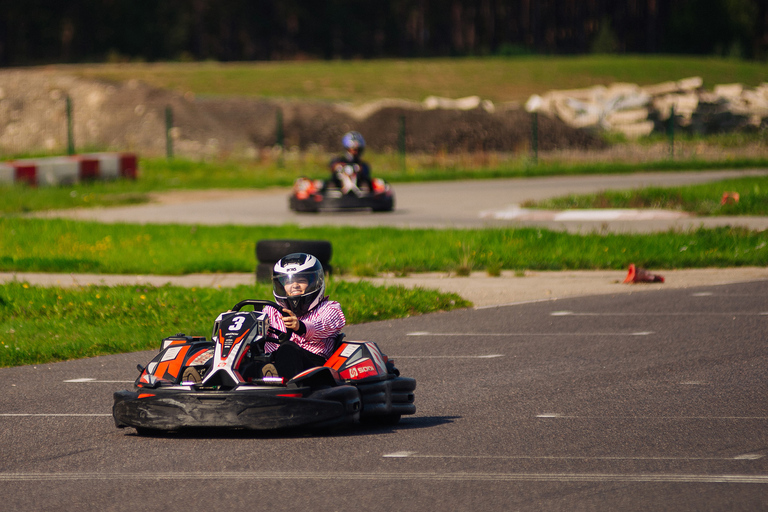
point(361, 370)
point(349, 350)
point(171, 354)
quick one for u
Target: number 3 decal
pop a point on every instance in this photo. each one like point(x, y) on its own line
point(237, 323)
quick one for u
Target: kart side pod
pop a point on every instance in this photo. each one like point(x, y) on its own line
point(385, 395)
point(359, 360)
point(176, 353)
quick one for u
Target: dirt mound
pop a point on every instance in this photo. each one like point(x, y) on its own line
point(131, 116)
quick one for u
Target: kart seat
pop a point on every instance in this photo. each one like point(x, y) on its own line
point(338, 341)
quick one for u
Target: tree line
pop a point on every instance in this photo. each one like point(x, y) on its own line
point(51, 31)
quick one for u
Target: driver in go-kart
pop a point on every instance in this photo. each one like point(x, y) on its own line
point(349, 172)
point(310, 317)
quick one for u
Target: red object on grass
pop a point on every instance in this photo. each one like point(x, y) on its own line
point(729, 197)
point(640, 275)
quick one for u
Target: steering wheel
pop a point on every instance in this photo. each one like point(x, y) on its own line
point(258, 305)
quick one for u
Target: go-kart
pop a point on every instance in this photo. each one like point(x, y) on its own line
point(194, 382)
point(312, 196)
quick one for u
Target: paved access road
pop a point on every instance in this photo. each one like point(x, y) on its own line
point(460, 204)
point(654, 400)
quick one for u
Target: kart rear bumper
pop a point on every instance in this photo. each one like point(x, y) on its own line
point(388, 398)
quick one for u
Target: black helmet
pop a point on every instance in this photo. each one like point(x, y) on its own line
point(295, 267)
point(353, 140)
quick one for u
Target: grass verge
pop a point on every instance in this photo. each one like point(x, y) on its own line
point(709, 199)
point(495, 78)
point(158, 175)
point(41, 325)
point(58, 245)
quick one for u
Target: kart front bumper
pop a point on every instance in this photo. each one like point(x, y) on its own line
point(257, 409)
point(318, 203)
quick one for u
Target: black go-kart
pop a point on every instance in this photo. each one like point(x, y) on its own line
point(313, 196)
point(193, 382)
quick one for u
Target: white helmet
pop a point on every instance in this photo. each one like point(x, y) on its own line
point(294, 267)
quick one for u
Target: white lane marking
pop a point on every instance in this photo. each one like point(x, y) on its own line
point(441, 476)
point(516, 212)
point(502, 334)
point(396, 455)
point(702, 294)
point(51, 415)
point(598, 214)
point(749, 456)
point(645, 418)
point(88, 380)
point(416, 455)
point(489, 356)
point(658, 313)
point(520, 303)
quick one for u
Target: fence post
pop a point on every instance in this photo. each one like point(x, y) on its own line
point(168, 133)
point(70, 132)
point(671, 132)
point(535, 137)
point(401, 142)
point(280, 137)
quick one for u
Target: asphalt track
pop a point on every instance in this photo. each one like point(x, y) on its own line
point(654, 400)
point(457, 204)
point(649, 400)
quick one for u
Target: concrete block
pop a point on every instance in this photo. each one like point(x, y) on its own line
point(729, 91)
point(635, 130)
point(7, 174)
point(627, 116)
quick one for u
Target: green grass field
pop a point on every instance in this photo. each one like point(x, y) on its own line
point(40, 324)
point(494, 78)
point(159, 174)
point(50, 324)
point(40, 245)
point(704, 200)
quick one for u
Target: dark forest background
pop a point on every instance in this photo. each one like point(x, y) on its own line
point(54, 31)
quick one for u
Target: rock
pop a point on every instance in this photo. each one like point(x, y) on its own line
point(631, 109)
point(131, 116)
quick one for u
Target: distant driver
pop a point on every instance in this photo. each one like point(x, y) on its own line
point(349, 172)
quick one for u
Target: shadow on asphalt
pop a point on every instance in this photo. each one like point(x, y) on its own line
point(360, 429)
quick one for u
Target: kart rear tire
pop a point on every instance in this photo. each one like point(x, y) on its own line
point(270, 251)
point(264, 272)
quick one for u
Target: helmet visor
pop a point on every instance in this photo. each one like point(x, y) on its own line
point(296, 284)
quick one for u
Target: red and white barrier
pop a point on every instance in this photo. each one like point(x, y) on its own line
point(66, 170)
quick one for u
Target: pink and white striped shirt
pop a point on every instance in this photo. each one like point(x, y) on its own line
point(323, 323)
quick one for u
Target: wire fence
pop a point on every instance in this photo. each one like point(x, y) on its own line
point(59, 125)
